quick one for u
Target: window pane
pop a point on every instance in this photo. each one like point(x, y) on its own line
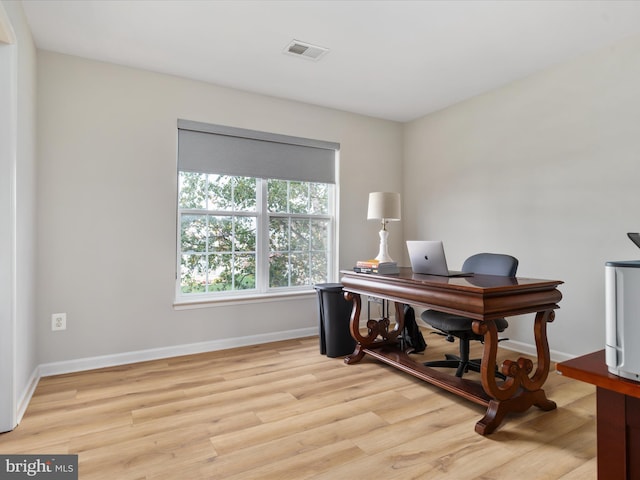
point(299, 269)
point(220, 192)
point(318, 268)
point(279, 234)
point(244, 194)
point(220, 273)
point(193, 233)
point(298, 197)
point(319, 198)
point(245, 234)
point(300, 235)
point(245, 272)
point(277, 196)
point(221, 234)
point(192, 188)
point(278, 270)
point(193, 271)
point(319, 234)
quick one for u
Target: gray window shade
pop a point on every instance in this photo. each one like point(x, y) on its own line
point(224, 150)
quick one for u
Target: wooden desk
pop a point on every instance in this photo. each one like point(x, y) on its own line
point(618, 416)
point(481, 297)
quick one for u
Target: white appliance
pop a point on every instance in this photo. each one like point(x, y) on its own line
point(622, 300)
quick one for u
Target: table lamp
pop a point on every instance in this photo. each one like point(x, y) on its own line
point(384, 206)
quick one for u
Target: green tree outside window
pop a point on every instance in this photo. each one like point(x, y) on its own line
point(220, 220)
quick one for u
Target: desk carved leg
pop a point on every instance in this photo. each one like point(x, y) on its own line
point(375, 329)
point(520, 390)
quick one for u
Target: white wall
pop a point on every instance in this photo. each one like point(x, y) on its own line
point(545, 169)
point(107, 204)
point(17, 217)
point(26, 193)
point(7, 220)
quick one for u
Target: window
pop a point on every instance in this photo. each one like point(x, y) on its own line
point(241, 234)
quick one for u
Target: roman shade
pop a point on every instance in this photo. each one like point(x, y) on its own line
point(223, 150)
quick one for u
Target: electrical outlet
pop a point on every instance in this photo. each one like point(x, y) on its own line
point(59, 321)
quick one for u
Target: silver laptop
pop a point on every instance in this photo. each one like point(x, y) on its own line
point(427, 257)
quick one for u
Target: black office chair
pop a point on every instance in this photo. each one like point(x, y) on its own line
point(456, 326)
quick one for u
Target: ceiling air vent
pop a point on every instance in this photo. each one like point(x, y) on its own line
point(305, 50)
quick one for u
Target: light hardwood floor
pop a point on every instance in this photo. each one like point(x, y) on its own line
point(283, 411)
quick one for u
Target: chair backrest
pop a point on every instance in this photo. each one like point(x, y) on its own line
point(491, 264)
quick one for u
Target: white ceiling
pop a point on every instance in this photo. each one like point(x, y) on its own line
point(397, 60)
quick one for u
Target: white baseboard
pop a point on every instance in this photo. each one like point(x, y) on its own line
point(25, 398)
point(528, 349)
point(91, 363)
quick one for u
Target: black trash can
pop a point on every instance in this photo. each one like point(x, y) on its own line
point(335, 312)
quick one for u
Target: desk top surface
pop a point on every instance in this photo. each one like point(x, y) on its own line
point(484, 283)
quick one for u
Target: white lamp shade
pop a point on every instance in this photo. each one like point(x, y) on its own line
point(384, 206)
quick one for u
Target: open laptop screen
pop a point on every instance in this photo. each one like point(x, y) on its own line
point(427, 257)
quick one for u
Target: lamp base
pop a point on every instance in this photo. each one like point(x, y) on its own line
point(383, 254)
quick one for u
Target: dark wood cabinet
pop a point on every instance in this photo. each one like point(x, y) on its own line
point(618, 416)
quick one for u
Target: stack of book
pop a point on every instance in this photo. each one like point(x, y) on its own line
point(374, 266)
